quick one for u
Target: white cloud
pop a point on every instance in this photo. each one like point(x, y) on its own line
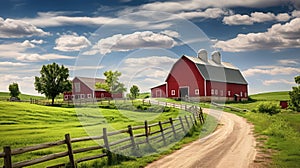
point(255, 17)
point(271, 70)
point(37, 41)
point(296, 13)
point(288, 62)
point(71, 43)
point(153, 61)
point(279, 81)
point(28, 57)
point(279, 36)
point(171, 33)
point(10, 28)
point(136, 40)
point(26, 83)
point(27, 44)
point(14, 64)
point(188, 5)
point(211, 13)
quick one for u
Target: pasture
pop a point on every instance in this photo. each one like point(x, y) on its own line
point(23, 124)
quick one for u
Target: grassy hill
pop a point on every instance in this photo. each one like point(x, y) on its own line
point(5, 95)
point(271, 96)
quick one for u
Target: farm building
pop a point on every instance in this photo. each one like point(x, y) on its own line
point(84, 88)
point(203, 79)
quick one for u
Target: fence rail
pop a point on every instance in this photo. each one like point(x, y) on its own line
point(144, 134)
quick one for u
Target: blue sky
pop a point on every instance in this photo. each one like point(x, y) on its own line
point(143, 39)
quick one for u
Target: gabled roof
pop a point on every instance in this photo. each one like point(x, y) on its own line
point(90, 82)
point(224, 72)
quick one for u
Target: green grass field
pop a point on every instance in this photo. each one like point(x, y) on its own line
point(23, 124)
point(24, 97)
point(282, 130)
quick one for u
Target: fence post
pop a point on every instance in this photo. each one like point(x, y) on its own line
point(192, 122)
point(173, 128)
point(7, 157)
point(194, 117)
point(131, 136)
point(187, 122)
point(70, 151)
point(162, 132)
point(185, 108)
point(180, 119)
point(146, 131)
point(201, 114)
point(106, 145)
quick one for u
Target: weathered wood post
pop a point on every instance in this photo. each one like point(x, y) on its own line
point(173, 127)
point(70, 151)
point(194, 118)
point(180, 119)
point(7, 157)
point(192, 122)
point(131, 136)
point(187, 122)
point(146, 131)
point(162, 132)
point(106, 145)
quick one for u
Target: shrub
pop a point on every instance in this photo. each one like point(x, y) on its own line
point(269, 108)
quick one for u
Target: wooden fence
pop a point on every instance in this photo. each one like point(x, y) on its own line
point(136, 135)
point(229, 107)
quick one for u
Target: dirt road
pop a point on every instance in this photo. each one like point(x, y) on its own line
point(232, 145)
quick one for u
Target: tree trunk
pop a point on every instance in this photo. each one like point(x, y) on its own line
point(52, 103)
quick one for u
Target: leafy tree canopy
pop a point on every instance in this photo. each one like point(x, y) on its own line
point(112, 84)
point(134, 91)
point(14, 90)
point(53, 81)
point(294, 102)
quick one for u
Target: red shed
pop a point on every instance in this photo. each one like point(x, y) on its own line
point(203, 79)
point(83, 87)
point(159, 91)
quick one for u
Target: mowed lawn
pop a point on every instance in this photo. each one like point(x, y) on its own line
point(25, 124)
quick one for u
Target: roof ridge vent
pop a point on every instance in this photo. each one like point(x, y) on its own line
point(202, 55)
point(216, 57)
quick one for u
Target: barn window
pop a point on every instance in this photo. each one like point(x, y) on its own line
point(89, 95)
point(66, 97)
point(212, 91)
point(216, 92)
point(196, 91)
point(172, 92)
point(82, 96)
point(228, 92)
point(241, 94)
point(73, 97)
point(221, 92)
point(77, 87)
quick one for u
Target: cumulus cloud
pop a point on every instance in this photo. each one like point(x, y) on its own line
point(255, 17)
point(271, 70)
point(10, 28)
point(170, 33)
point(279, 36)
point(278, 81)
point(71, 43)
point(136, 40)
point(25, 83)
point(296, 13)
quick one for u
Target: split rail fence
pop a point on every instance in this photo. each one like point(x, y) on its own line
point(136, 135)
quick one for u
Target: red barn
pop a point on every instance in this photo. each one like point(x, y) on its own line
point(202, 79)
point(83, 87)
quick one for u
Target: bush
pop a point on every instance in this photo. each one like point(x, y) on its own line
point(269, 108)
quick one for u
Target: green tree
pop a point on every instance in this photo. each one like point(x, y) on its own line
point(112, 84)
point(134, 91)
point(294, 102)
point(53, 81)
point(14, 90)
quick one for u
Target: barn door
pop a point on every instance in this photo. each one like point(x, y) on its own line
point(158, 93)
point(184, 92)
